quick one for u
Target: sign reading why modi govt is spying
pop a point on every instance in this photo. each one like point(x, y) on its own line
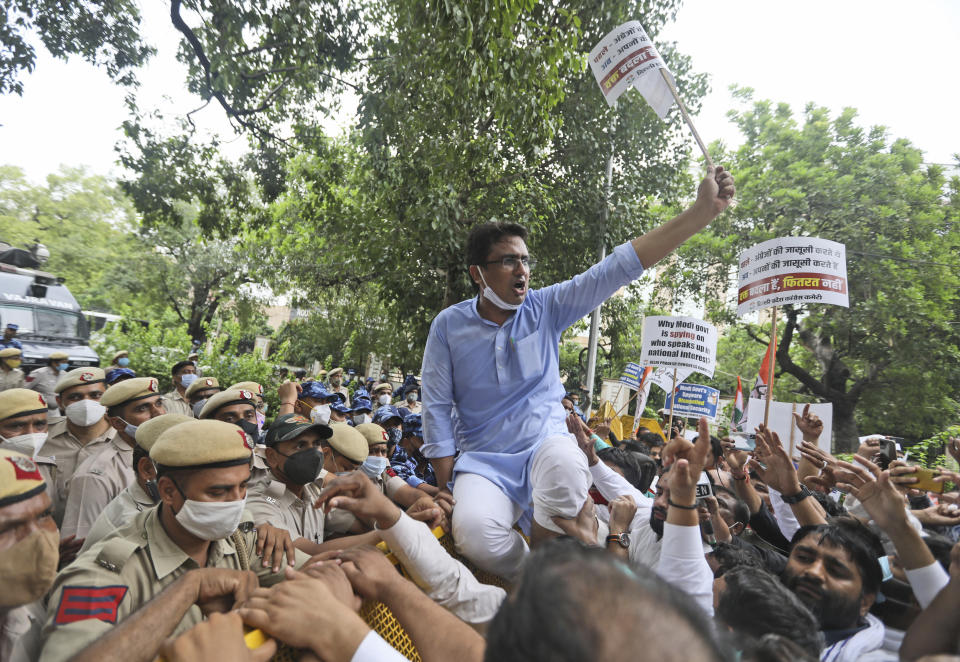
point(792, 270)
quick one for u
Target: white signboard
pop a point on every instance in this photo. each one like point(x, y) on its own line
point(664, 378)
point(792, 270)
point(627, 58)
point(782, 422)
point(679, 342)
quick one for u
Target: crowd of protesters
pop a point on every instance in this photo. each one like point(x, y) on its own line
point(136, 524)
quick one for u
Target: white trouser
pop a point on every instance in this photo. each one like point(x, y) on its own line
point(484, 516)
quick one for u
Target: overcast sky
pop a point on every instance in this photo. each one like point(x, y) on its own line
point(896, 63)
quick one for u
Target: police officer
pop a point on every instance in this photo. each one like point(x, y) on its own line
point(285, 497)
point(121, 359)
point(339, 413)
point(261, 404)
point(344, 452)
point(184, 373)
point(236, 407)
point(83, 432)
point(11, 376)
point(335, 378)
point(28, 555)
point(313, 402)
point(198, 392)
point(23, 428)
point(9, 339)
point(198, 543)
point(43, 380)
point(114, 375)
point(102, 476)
point(362, 411)
point(142, 493)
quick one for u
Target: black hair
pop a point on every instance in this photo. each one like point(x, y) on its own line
point(716, 447)
point(776, 648)
point(741, 511)
point(559, 611)
point(728, 556)
point(635, 446)
point(832, 508)
point(482, 238)
point(178, 366)
point(854, 538)
point(138, 454)
point(755, 603)
point(651, 439)
point(940, 547)
point(638, 469)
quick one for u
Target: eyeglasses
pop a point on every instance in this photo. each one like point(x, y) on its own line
point(509, 262)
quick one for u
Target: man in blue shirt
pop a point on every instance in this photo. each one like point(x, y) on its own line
point(9, 337)
point(492, 389)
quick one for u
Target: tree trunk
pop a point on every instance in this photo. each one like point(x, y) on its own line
point(846, 433)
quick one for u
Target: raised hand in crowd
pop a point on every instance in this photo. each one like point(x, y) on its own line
point(272, 544)
point(776, 469)
point(943, 514)
point(579, 429)
point(826, 464)
point(687, 461)
point(622, 511)
point(288, 393)
point(358, 495)
point(810, 425)
point(953, 447)
point(220, 637)
point(869, 448)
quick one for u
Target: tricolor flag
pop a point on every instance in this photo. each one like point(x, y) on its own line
point(739, 418)
point(759, 391)
point(644, 391)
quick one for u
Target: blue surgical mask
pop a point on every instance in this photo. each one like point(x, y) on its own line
point(198, 407)
point(187, 379)
point(373, 466)
point(63, 367)
point(130, 430)
point(123, 362)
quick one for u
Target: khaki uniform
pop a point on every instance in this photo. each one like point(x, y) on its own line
point(118, 513)
point(97, 481)
point(69, 453)
point(270, 502)
point(20, 633)
point(118, 575)
point(42, 380)
point(51, 476)
point(11, 379)
point(177, 404)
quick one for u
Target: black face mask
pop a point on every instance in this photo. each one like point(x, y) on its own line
point(250, 428)
point(303, 466)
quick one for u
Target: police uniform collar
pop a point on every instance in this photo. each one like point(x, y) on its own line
point(139, 496)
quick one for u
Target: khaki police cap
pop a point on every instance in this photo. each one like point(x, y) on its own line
point(20, 478)
point(129, 390)
point(321, 373)
point(79, 377)
point(58, 356)
point(249, 386)
point(8, 352)
point(202, 445)
point(20, 402)
point(119, 354)
point(373, 433)
point(224, 398)
point(386, 388)
point(349, 443)
point(202, 384)
point(149, 431)
point(335, 371)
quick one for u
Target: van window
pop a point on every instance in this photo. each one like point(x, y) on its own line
point(19, 315)
point(56, 323)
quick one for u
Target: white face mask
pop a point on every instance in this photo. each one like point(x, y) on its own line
point(28, 444)
point(320, 414)
point(84, 413)
point(360, 419)
point(373, 466)
point(384, 399)
point(211, 520)
point(492, 296)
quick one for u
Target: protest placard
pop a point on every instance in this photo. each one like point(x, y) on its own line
point(694, 400)
point(631, 375)
point(792, 270)
point(664, 377)
point(679, 342)
point(625, 58)
point(782, 422)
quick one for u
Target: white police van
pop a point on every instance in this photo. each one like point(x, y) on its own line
point(39, 303)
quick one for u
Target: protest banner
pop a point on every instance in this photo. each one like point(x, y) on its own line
point(679, 342)
point(781, 421)
point(625, 58)
point(664, 378)
point(792, 270)
point(631, 374)
point(695, 401)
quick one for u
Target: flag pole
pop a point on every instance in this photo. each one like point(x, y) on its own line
point(686, 115)
point(773, 359)
point(673, 397)
point(629, 400)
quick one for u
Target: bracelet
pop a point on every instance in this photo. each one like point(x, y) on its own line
point(677, 505)
point(288, 403)
point(744, 476)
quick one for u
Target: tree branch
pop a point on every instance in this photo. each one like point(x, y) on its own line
point(804, 377)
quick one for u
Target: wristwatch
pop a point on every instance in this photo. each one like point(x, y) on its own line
point(798, 497)
point(622, 539)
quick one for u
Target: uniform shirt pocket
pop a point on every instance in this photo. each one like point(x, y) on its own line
point(528, 356)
